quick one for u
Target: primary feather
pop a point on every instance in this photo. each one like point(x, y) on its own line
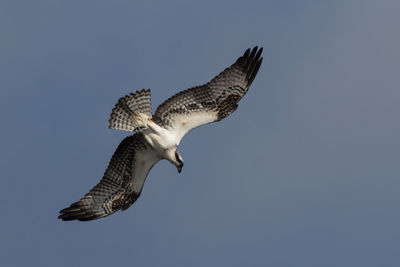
point(212, 101)
point(121, 184)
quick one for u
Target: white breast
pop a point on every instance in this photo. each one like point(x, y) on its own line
point(160, 138)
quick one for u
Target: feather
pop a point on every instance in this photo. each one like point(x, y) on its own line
point(159, 136)
point(212, 101)
point(121, 185)
point(132, 112)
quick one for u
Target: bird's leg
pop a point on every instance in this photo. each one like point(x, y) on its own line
point(141, 129)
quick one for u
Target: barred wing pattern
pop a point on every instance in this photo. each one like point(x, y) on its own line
point(212, 101)
point(121, 184)
point(131, 112)
point(126, 173)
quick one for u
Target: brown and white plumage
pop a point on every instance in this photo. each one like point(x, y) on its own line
point(131, 111)
point(121, 184)
point(212, 101)
point(157, 137)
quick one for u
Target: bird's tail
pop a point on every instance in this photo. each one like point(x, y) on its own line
point(132, 112)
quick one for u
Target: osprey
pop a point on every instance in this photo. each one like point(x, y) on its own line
point(157, 136)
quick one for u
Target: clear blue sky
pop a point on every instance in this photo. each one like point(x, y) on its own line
point(305, 173)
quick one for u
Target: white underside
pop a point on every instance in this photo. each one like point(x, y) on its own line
point(164, 141)
point(185, 123)
point(163, 138)
point(145, 160)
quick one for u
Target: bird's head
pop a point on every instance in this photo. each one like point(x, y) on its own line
point(173, 156)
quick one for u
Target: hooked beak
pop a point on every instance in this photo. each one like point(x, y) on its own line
point(179, 167)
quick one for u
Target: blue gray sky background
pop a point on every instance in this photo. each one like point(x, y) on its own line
point(305, 173)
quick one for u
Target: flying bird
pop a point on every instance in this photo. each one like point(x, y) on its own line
point(157, 136)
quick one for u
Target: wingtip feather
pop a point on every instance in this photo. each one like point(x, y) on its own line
point(251, 62)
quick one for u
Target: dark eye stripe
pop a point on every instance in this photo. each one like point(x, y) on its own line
point(177, 157)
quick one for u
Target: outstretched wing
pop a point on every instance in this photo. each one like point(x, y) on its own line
point(121, 184)
point(212, 101)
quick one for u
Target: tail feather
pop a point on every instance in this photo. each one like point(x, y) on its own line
point(132, 112)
